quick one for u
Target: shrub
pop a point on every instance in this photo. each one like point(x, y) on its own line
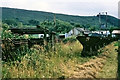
point(70, 39)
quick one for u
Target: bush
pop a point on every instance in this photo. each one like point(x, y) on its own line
point(70, 39)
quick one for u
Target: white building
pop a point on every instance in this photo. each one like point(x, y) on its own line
point(77, 31)
point(116, 33)
point(42, 35)
point(102, 32)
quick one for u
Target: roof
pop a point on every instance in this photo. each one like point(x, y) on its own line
point(102, 32)
point(86, 31)
point(94, 34)
point(61, 34)
point(116, 32)
point(31, 30)
point(82, 29)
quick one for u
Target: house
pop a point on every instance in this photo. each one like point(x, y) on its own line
point(116, 33)
point(102, 32)
point(95, 35)
point(78, 31)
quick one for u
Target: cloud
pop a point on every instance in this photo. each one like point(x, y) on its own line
point(85, 8)
point(75, 7)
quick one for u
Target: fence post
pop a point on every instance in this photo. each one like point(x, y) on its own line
point(118, 46)
point(45, 41)
point(53, 42)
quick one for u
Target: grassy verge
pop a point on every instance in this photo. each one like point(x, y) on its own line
point(110, 68)
point(118, 60)
point(40, 64)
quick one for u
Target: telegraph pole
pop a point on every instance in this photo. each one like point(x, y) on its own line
point(53, 36)
point(54, 20)
point(99, 22)
point(106, 23)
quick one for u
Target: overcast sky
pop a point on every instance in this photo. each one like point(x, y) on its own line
point(72, 7)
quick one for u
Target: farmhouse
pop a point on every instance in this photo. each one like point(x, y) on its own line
point(78, 31)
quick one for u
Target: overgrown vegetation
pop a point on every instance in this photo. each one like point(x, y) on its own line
point(116, 44)
point(70, 39)
point(111, 69)
point(35, 62)
point(39, 64)
point(61, 26)
point(7, 34)
point(118, 72)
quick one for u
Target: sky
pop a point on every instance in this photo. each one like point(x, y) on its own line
point(71, 7)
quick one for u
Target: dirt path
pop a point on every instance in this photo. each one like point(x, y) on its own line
point(99, 67)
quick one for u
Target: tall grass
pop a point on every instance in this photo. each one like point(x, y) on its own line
point(36, 63)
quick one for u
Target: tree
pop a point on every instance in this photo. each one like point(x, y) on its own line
point(11, 22)
point(92, 28)
point(34, 22)
point(77, 25)
point(111, 30)
point(61, 26)
point(87, 25)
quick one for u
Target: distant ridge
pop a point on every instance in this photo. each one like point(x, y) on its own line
point(26, 15)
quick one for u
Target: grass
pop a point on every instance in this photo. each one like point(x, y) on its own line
point(39, 64)
point(116, 44)
point(0, 68)
point(119, 59)
point(110, 68)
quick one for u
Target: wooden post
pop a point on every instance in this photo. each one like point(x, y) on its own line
point(53, 43)
point(119, 46)
point(45, 41)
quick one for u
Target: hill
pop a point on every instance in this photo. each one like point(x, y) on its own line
point(26, 15)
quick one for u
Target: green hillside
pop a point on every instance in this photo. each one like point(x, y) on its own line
point(25, 16)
